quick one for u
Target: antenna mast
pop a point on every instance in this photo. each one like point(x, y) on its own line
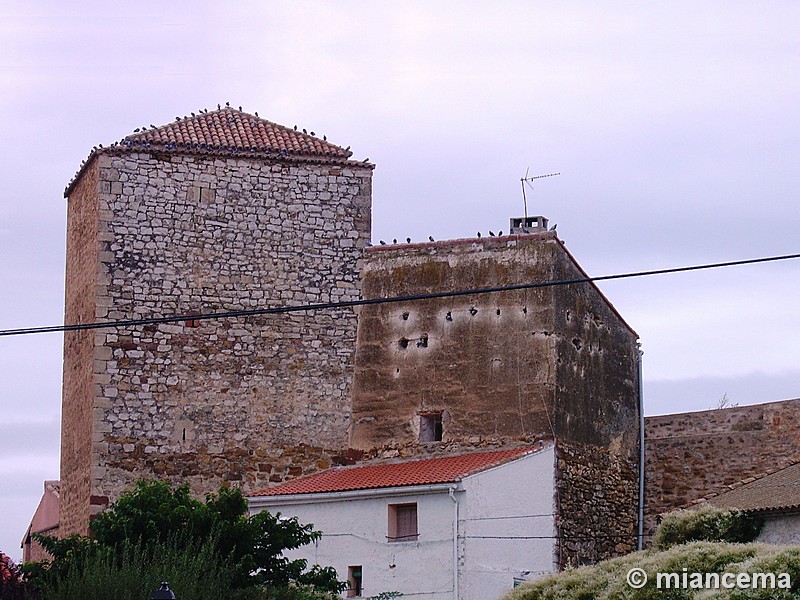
point(527, 180)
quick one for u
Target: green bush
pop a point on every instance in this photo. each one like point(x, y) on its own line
point(135, 571)
point(708, 524)
point(154, 521)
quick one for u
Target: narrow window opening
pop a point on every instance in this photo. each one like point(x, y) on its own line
point(354, 581)
point(192, 323)
point(498, 312)
point(403, 343)
point(405, 316)
point(430, 427)
point(403, 522)
point(184, 434)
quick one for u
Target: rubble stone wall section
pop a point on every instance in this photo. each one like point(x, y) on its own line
point(79, 350)
point(692, 455)
point(246, 400)
point(596, 500)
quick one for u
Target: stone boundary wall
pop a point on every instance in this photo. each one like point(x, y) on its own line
point(691, 455)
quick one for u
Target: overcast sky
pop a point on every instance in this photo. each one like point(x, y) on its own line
point(674, 126)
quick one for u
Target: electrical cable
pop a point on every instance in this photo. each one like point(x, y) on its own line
point(394, 299)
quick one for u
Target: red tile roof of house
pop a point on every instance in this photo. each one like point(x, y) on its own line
point(446, 469)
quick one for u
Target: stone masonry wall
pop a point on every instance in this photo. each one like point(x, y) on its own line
point(506, 368)
point(78, 382)
point(596, 419)
point(692, 455)
point(248, 400)
point(484, 362)
point(596, 492)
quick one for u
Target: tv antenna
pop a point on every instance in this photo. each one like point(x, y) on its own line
point(528, 180)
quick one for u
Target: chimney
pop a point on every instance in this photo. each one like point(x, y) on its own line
point(528, 224)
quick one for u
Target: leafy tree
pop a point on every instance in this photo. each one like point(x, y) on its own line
point(154, 514)
point(11, 587)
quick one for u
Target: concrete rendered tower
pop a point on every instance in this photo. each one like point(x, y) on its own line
point(217, 212)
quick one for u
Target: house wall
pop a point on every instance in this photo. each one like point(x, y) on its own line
point(692, 455)
point(248, 400)
point(507, 525)
point(45, 521)
point(355, 533)
point(506, 528)
point(781, 530)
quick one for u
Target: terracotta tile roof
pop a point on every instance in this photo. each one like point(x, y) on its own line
point(226, 132)
point(231, 130)
point(447, 469)
point(777, 491)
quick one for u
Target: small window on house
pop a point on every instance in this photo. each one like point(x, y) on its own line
point(354, 582)
point(403, 522)
point(430, 427)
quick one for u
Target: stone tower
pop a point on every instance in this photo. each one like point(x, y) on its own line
point(217, 212)
point(505, 368)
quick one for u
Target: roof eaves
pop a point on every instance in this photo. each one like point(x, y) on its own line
point(346, 495)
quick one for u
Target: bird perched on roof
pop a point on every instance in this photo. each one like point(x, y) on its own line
point(553, 228)
point(479, 234)
point(304, 130)
point(295, 127)
point(256, 113)
point(500, 233)
point(491, 233)
point(430, 238)
point(218, 106)
point(136, 130)
point(394, 241)
point(383, 243)
point(408, 240)
point(227, 104)
point(324, 137)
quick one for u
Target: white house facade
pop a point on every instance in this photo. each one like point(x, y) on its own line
point(465, 527)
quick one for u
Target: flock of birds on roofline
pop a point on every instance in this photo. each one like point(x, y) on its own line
point(478, 234)
point(126, 143)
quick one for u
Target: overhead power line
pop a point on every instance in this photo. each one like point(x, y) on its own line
point(411, 298)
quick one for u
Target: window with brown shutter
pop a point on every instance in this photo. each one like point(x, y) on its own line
point(403, 522)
